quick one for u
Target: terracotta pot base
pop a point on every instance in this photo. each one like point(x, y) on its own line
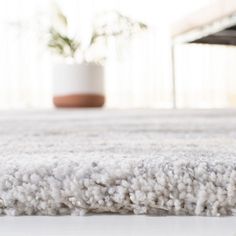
point(79, 100)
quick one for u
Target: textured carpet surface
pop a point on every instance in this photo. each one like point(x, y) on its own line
point(141, 161)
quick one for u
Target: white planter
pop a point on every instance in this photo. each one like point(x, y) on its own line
point(78, 85)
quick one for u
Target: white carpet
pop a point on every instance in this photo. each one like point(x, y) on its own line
point(142, 162)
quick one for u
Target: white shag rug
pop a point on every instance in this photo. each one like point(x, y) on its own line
point(141, 162)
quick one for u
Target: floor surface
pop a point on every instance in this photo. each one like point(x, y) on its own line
point(115, 225)
point(142, 130)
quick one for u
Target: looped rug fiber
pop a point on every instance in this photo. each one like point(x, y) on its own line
point(140, 161)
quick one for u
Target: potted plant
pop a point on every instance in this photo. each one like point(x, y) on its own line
point(78, 81)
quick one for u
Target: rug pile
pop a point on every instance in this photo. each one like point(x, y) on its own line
point(141, 162)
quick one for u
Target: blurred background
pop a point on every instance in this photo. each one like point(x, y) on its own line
point(139, 76)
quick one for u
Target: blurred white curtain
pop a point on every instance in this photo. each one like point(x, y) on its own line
point(24, 63)
point(142, 78)
point(206, 76)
